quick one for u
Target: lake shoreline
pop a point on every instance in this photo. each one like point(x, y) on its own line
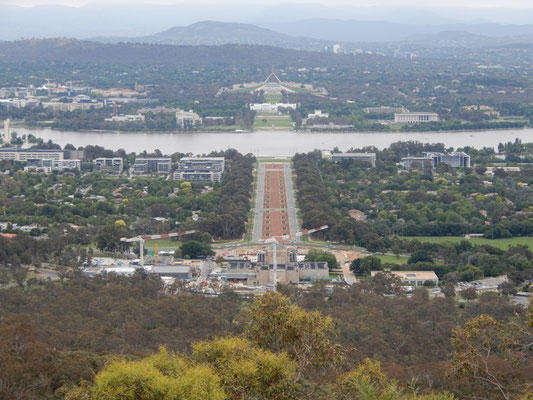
point(176, 132)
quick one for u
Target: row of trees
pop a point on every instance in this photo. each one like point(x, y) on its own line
point(229, 219)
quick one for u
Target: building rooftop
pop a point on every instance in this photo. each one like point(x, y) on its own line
point(17, 150)
point(415, 275)
point(170, 269)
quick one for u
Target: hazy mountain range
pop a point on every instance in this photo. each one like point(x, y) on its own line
point(342, 23)
point(318, 34)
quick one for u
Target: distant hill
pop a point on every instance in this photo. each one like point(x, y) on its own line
point(383, 31)
point(213, 33)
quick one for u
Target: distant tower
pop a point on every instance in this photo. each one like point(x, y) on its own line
point(7, 131)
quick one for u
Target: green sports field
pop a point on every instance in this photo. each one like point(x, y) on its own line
point(499, 243)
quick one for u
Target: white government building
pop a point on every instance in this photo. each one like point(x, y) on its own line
point(187, 119)
point(272, 108)
point(415, 117)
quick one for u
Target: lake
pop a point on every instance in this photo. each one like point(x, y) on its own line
point(269, 143)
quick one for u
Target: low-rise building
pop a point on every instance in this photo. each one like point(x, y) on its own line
point(454, 160)
point(126, 118)
point(487, 110)
point(187, 119)
point(23, 155)
point(146, 166)
point(317, 114)
point(20, 103)
point(432, 160)
point(59, 106)
point(74, 154)
point(385, 110)
point(272, 108)
point(112, 166)
point(339, 157)
point(172, 271)
point(49, 165)
point(413, 278)
point(415, 117)
point(200, 169)
point(419, 163)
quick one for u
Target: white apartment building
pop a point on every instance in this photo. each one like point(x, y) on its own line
point(415, 117)
point(49, 165)
point(201, 169)
point(112, 166)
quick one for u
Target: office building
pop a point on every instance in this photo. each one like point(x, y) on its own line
point(454, 160)
point(206, 169)
point(432, 160)
point(112, 166)
point(187, 119)
point(23, 155)
point(146, 166)
point(339, 157)
point(415, 117)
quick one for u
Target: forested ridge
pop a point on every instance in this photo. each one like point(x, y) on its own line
point(71, 51)
point(55, 336)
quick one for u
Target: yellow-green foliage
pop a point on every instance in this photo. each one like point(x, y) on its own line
point(248, 371)
point(276, 323)
point(162, 376)
point(368, 382)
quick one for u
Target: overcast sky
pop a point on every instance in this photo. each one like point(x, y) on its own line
point(425, 3)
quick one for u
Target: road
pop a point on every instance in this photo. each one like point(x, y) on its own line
point(206, 267)
point(275, 180)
